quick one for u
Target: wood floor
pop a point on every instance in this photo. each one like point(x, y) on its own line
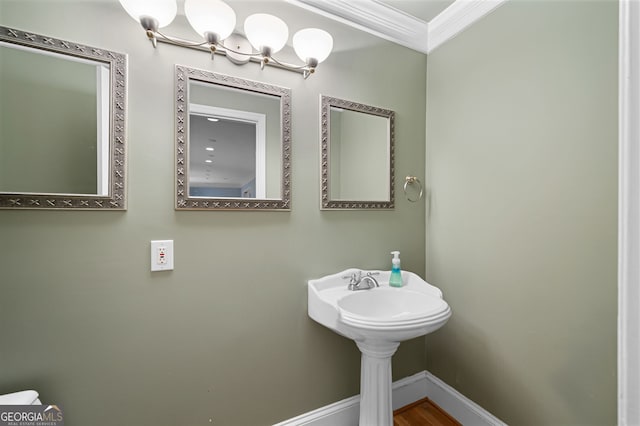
point(423, 413)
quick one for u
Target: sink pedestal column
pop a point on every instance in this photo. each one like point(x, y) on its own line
point(375, 383)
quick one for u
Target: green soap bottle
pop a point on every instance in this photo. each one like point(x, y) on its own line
point(396, 276)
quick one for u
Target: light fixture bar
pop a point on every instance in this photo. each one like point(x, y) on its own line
point(221, 50)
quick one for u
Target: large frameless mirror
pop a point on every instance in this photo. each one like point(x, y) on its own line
point(233, 143)
point(357, 144)
point(62, 124)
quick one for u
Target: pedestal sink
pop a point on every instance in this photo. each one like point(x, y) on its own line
point(378, 320)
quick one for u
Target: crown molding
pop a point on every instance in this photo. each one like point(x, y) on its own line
point(374, 17)
point(389, 23)
point(456, 18)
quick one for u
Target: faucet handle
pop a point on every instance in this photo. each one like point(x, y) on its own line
point(373, 273)
point(354, 278)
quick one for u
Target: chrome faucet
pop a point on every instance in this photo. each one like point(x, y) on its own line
point(359, 282)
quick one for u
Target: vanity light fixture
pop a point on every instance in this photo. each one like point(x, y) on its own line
point(215, 21)
point(152, 15)
point(212, 119)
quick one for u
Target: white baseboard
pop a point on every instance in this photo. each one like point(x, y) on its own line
point(405, 391)
point(341, 413)
point(457, 405)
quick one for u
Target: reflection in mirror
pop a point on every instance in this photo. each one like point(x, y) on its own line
point(62, 118)
point(227, 153)
point(233, 136)
point(357, 155)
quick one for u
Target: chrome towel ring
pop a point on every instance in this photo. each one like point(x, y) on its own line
point(412, 180)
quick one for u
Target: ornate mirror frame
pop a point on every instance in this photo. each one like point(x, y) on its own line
point(117, 62)
point(326, 203)
point(183, 75)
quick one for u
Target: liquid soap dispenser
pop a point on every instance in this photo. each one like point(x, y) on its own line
point(396, 277)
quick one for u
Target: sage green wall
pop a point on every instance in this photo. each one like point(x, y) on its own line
point(225, 336)
point(522, 225)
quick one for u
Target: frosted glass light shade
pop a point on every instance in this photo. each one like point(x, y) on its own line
point(162, 10)
point(264, 30)
point(312, 43)
point(214, 16)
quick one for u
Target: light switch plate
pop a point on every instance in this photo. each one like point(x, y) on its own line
point(162, 255)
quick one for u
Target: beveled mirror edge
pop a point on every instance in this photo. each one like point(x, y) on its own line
point(183, 201)
point(326, 203)
point(116, 198)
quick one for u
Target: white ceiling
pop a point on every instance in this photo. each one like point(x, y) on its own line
point(424, 10)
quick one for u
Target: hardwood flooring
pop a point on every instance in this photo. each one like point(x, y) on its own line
point(423, 413)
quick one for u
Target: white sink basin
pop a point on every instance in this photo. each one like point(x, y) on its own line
point(377, 319)
point(381, 313)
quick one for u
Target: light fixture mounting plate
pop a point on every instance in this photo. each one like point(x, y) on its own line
point(238, 49)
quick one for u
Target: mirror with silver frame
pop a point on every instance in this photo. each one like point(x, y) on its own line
point(62, 124)
point(233, 143)
point(357, 155)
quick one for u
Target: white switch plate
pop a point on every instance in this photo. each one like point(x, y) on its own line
point(162, 255)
